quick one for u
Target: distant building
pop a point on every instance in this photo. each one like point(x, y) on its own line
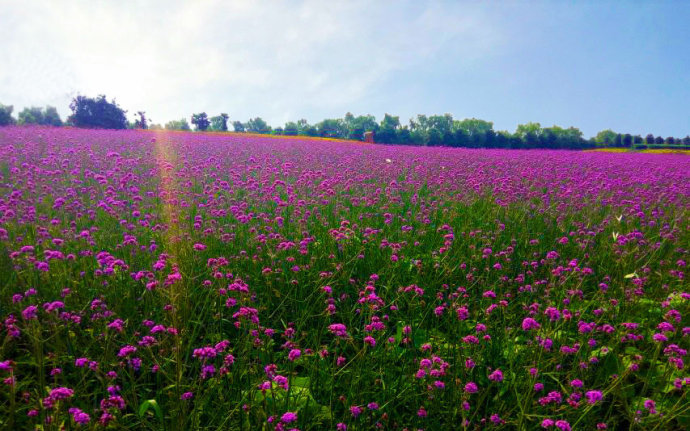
point(369, 137)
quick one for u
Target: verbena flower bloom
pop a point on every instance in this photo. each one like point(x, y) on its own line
point(288, 417)
point(29, 313)
point(355, 411)
point(294, 354)
point(79, 416)
point(529, 323)
point(577, 383)
point(61, 393)
point(496, 376)
point(593, 396)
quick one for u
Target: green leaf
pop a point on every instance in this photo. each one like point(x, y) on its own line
point(148, 405)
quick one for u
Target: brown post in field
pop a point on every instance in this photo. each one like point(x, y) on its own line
point(369, 137)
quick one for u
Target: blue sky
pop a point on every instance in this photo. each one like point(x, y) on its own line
point(593, 65)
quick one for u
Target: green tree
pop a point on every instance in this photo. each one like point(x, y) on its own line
point(435, 138)
point(357, 126)
point(305, 129)
point(404, 136)
point(605, 137)
point(442, 123)
point(524, 129)
point(238, 126)
point(627, 140)
point(476, 130)
point(649, 139)
point(141, 122)
point(331, 128)
point(219, 123)
point(97, 113)
point(550, 137)
point(461, 138)
point(503, 139)
point(290, 129)
point(6, 118)
point(618, 141)
point(33, 115)
point(388, 129)
point(258, 125)
point(51, 117)
point(177, 125)
point(200, 121)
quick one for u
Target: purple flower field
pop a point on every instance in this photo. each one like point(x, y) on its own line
point(170, 281)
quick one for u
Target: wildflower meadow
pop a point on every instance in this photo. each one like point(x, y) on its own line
point(172, 281)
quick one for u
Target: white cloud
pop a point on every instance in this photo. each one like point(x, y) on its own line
point(280, 60)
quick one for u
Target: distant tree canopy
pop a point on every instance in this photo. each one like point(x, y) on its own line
point(200, 121)
point(141, 123)
point(36, 115)
point(6, 118)
point(432, 130)
point(219, 123)
point(605, 137)
point(331, 128)
point(181, 124)
point(238, 126)
point(257, 125)
point(439, 130)
point(444, 130)
point(96, 113)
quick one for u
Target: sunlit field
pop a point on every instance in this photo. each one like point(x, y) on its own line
point(171, 281)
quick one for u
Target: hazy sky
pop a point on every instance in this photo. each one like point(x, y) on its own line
point(593, 65)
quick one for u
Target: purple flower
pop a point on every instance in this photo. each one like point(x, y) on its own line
point(593, 396)
point(650, 405)
point(294, 354)
point(338, 329)
point(61, 393)
point(126, 351)
point(81, 362)
point(471, 387)
point(659, 338)
point(577, 383)
point(563, 425)
point(529, 323)
point(496, 376)
point(288, 417)
point(29, 313)
point(79, 416)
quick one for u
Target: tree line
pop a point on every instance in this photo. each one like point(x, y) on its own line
point(433, 130)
